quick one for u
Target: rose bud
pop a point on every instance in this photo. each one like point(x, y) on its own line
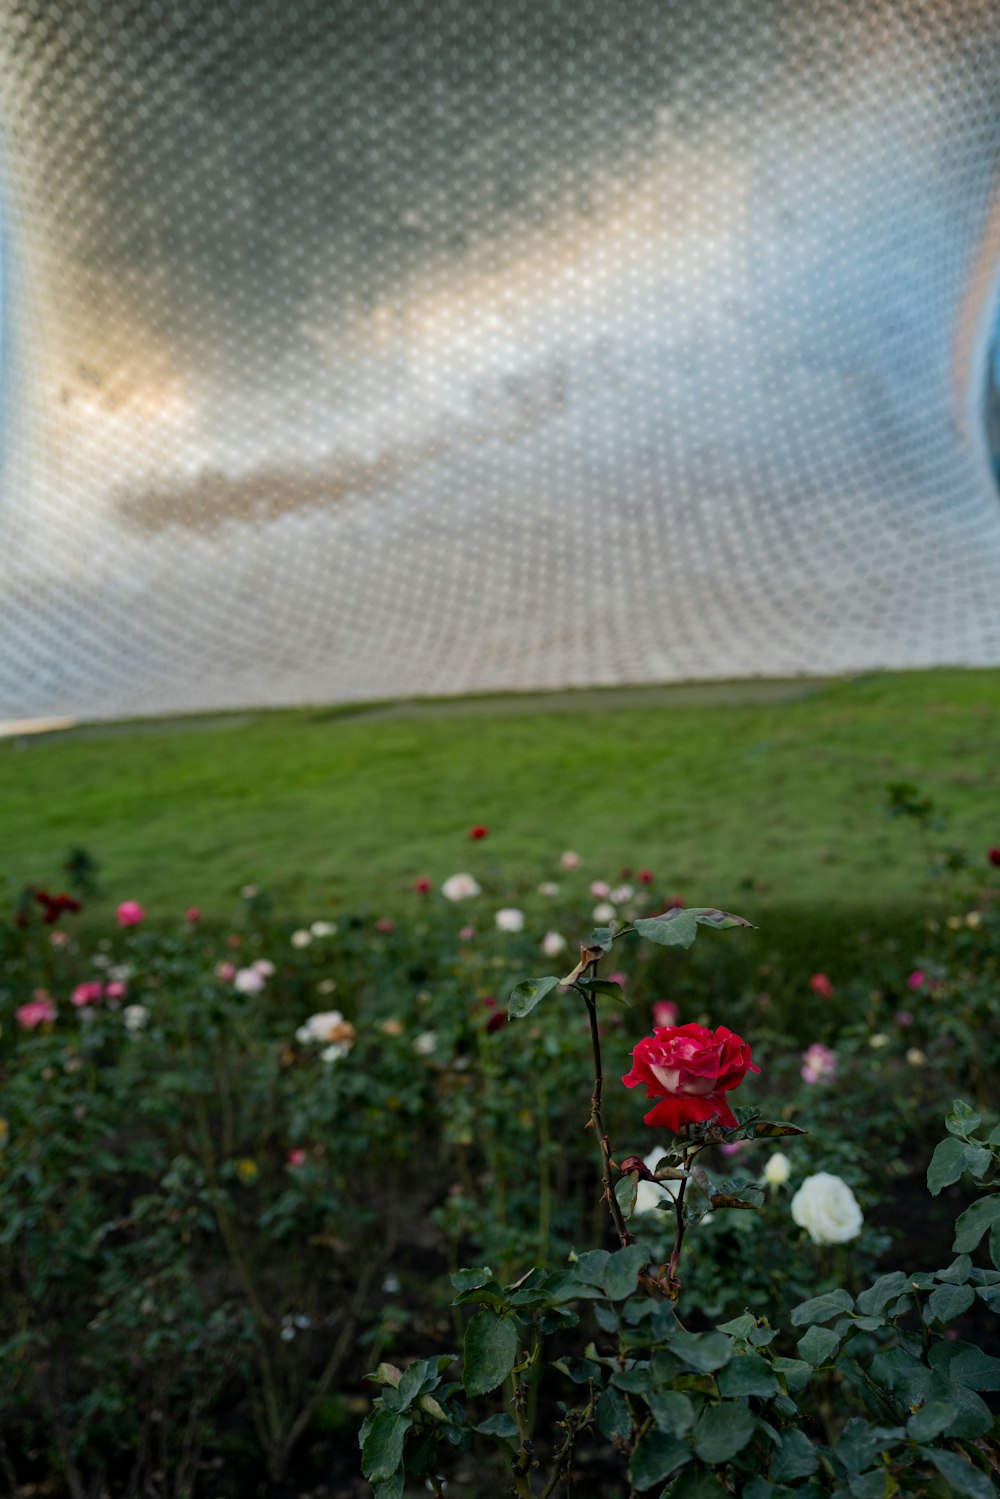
point(636, 1163)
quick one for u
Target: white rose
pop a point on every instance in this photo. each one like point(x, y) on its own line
point(510, 919)
point(301, 938)
point(328, 1026)
point(603, 913)
point(570, 860)
point(621, 893)
point(549, 888)
point(827, 1209)
point(425, 1043)
point(135, 1017)
point(777, 1169)
point(460, 887)
point(248, 981)
point(601, 889)
point(553, 943)
point(264, 966)
point(323, 928)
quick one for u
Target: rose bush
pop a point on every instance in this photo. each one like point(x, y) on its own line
point(690, 1069)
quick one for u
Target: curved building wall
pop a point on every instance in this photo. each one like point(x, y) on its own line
point(364, 349)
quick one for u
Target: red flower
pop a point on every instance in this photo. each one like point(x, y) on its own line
point(55, 905)
point(690, 1070)
point(821, 985)
point(422, 886)
point(496, 1022)
point(994, 857)
point(478, 832)
point(645, 876)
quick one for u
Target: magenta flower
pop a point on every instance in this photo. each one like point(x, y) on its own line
point(917, 979)
point(225, 972)
point(904, 1018)
point(87, 994)
point(665, 1012)
point(115, 990)
point(192, 914)
point(35, 1012)
point(130, 913)
point(821, 985)
point(296, 1158)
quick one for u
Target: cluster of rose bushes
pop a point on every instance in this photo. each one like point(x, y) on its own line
point(238, 1163)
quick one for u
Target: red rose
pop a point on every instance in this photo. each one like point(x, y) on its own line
point(422, 886)
point(994, 857)
point(478, 832)
point(690, 1070)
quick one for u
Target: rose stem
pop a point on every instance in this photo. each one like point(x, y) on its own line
point(597, 1120)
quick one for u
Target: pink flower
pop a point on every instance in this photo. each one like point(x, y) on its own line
point(225, 972)
point(87, 994)
point(645, 876)
point(385, 926)
point(917, 979)
point(733, 1148)
point(904, 1018)
point(467, 933)
point(35, 1012)
point(422, 886)
point(690, 1070)
point(192, 914)
point(115, 990)
point(296, 1158)
point(130, 913)
point(821, 985)
point(600, 889)
point(569, 860)
point(819, 1064)
point(665, 1012)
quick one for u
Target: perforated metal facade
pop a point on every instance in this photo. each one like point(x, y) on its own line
point(354, 350)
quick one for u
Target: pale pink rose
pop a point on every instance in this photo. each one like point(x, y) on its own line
point(35, 1012)
point(619, 978)
point(248, 981)
point(87, 994)
point(904, 1018)
point(264, 967)
point(467, 933)
point(115, 991)
point(570, 860)
point(733, 1148)
point(917, 979)
point(192, 914)
point(665, 1012)
point(225, 972)
point(385, 926)
point(59, 939)
point(819, 1064)
point(130, 913)
point(296, 1158)
point(600, 889)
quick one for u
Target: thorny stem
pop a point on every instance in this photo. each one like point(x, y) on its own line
point(597, 1120)
point(675, 1257)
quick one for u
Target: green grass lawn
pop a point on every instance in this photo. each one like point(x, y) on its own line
point(764, 795)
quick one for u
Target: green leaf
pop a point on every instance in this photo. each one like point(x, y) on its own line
point(524, 996)
point(722, 1431)
point(931, 1420)
point(622, 1271)
point(655, 1458)
point(500, 1425)
point(672, 1411)
point(960, 1474)
point(976, 1221)
point(604, 986)
point(382, 1445)
point(975, 1369)
point(696, 1484)
point(818, 1346)
point(958, 1272)
point(947, 1165)
point(797, 1374)
point(948, 1302)
point(796, 1456)
point(471, 1280)
point(748, 1374)
point(858, 1443)
point(679, 927)
point(704, 1351)
point(877, 1297)
point(626, 1193)
point(822, 1308)
point(490, 1351)
point(613, 1418)
point(390, 1488)
point(591, 1265)
point(962, 1120)
point(764, 1129)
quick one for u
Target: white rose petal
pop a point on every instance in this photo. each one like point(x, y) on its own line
point(333, 1053)
point(777, 1169)
point(460, 887)
point(553, 943)
point(510, 919)
point(135, 1017)
point(248, 981)
point(827, 1209)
